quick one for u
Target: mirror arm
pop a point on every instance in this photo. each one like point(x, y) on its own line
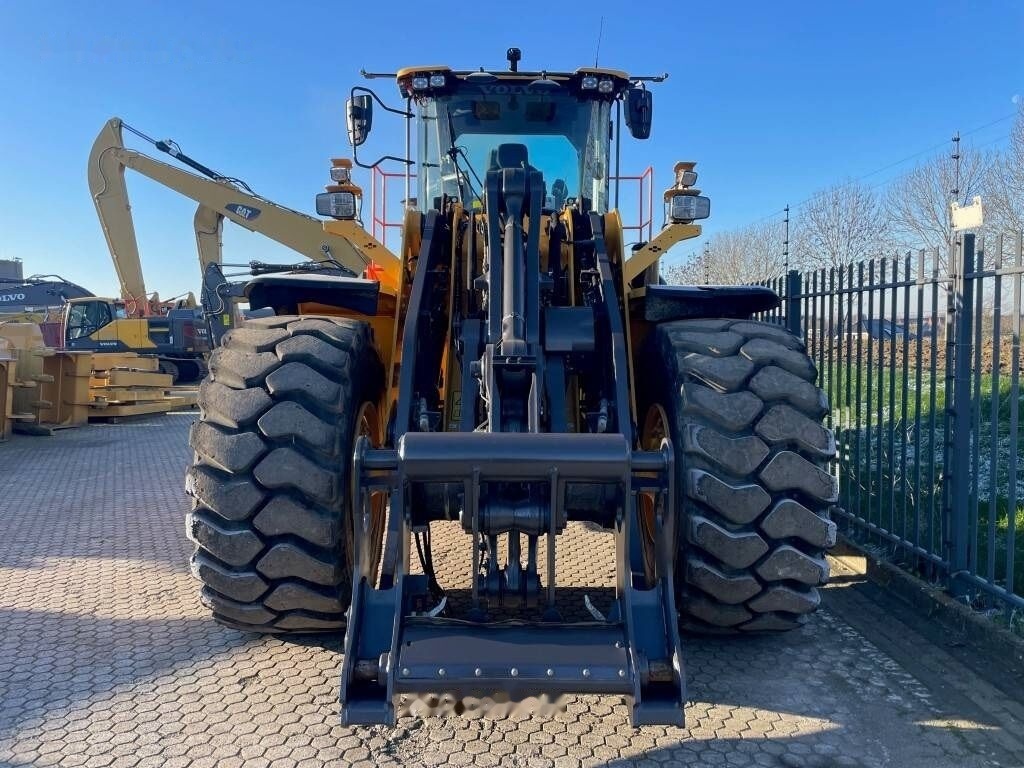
point(403, 160)
point(403, 112)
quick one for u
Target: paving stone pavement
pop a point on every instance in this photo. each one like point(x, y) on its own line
point(107, 657)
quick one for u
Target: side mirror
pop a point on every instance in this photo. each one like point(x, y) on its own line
point(639, 108)
point(359, 118)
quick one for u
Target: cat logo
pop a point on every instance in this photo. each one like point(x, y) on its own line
point(246, 212)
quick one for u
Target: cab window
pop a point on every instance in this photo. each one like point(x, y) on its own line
point(86, 318)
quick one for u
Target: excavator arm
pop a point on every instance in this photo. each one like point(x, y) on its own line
point(209, 226)
point(346, 243)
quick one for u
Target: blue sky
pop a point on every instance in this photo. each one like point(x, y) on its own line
point(774, 100)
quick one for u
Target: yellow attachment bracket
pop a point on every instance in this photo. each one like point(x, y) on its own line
point(387, 265)
point(641, 259)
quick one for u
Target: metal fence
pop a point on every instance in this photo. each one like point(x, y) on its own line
point(920, 357)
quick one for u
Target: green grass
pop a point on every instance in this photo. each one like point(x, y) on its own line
point(904, 494)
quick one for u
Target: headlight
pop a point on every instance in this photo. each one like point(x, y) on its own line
point(420, 83)
point(687, 178)
point(588, 83)
point(341, 174)
point(437, 81)
point(689, 207)
point(337, 205)
point(606, 86)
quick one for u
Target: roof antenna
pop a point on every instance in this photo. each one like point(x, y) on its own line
point(600, 31)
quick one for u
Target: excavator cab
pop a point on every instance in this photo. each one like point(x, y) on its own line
point(83, 317)
point(177, 336)
point(101, 323)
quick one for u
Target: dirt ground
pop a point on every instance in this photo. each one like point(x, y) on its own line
point(881, 351)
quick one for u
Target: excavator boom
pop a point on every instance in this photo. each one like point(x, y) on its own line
point(218, 199)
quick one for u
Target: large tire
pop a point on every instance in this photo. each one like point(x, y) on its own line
point(739, 402)
point(270, 480)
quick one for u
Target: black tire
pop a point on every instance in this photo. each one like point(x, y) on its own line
point(745, 419)
point(270, 479)
point(170, 368)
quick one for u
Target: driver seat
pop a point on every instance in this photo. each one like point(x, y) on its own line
point(510, 156)
point(515, 157)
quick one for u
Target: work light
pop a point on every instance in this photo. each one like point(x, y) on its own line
point(337, 205)
point(683, 208)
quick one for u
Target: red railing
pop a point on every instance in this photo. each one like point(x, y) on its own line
point(644, 212)
point(379, 221)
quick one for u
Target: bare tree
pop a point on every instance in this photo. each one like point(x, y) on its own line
point(750, 254)
point(766, 260)
point(1005, 199)
point(840, 225)
point(850, 222)
point(689, 272)
point(919, 200)
point(728, 258)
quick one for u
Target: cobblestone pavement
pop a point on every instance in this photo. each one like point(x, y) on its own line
point(108, 658)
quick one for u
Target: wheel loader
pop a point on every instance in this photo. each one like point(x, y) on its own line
point(514, 371)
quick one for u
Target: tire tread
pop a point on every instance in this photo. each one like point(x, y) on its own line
point(269, 477)
point(752, 455)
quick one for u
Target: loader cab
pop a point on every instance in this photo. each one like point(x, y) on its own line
point(466, 123)
point(469, 125)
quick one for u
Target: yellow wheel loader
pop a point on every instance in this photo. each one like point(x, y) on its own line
point(512, 370)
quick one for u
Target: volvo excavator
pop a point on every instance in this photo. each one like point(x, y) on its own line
point(175, 333)
point(513, 370)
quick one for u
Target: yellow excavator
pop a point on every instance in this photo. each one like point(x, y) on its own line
point(220, 197)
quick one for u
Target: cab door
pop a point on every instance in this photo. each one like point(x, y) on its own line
point(84, 318)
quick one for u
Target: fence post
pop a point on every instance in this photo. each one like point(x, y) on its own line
point(957, 459)
point(793, 303)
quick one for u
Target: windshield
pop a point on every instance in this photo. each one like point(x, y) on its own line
point(566, 139)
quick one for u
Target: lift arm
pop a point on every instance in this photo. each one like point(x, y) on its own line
point(348, 243)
